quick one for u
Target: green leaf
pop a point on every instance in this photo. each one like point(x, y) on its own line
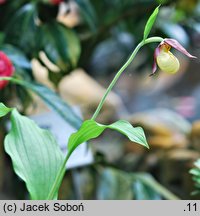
point(61, 45)
point(88, 13)
point(144, 192)
point(114, 184)
point(135, 134)
point(91, 129)
point(150, 23)
point(117, 184)
point(35, 155)
point(148, 181)
point(22, 29)
point(4, 110)
point(21, 63)
point(195, 172)
point(2, 37)
point(16, 56)
point(52, 100)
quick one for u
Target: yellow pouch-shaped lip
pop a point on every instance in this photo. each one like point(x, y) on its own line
point(167, 62)
point(165, 59)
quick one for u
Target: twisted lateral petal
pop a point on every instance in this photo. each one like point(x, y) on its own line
point(156, 53)
point(167, 62)
point(175, 44)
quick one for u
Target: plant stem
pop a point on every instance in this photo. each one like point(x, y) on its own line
point(121, 70)
point(61, 172)
point(58, 179)
point(127, 63)
point(12, 79)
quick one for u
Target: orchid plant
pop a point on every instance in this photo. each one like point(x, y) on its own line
point(35, 154)
point(166, 61)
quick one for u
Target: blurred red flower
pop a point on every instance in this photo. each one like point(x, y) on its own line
point(2, 1)
point(6, 69)
point(55, 2)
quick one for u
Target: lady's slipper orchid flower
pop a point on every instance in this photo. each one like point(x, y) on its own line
point(166, 61)
point(6, 69)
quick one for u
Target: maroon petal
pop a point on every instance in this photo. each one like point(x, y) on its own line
point(175, 44)
point(156, 53)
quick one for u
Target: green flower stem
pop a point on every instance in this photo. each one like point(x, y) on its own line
point(127, 63)
point(61, 172)
point(121, 70)
point(59, 178)
point(12, 79)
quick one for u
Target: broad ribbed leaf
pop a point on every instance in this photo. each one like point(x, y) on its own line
point(150, 23)
point(91, 129)
point(35, 155)
point(61, 45)
point(4, 110)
